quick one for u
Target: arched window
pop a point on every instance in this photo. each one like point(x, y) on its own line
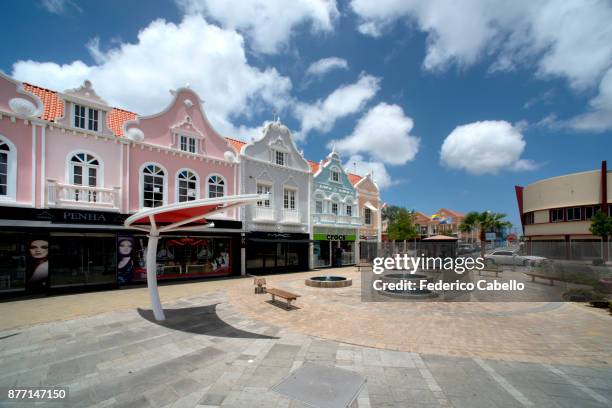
point(153, 178)
point(8, 167)
point(187, 186)
point(84, 171)
point(216, 186)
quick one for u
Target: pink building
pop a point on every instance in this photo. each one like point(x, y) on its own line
point(72, 168)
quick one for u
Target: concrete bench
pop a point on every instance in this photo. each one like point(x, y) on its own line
point(288, 296)
point(551, 279)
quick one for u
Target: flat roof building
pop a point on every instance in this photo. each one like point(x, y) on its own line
point(558, 211)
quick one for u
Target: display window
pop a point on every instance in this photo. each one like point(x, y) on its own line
point(177, 257)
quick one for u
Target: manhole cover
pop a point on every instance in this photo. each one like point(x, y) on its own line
point(321, 386)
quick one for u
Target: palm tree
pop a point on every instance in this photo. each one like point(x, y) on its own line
point(483, 222)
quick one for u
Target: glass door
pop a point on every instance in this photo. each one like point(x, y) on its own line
point(100, 255)
point(82, 259)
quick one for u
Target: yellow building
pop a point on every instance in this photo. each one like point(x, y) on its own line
point(556, 212)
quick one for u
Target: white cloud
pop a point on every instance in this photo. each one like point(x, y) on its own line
point(137, 76)
point(485, 148)
point(323, 66)
point(357, 165)
point(383, 133)
point(59, 6)
point(268, 23)
point(346, 100)
point(570, 39)
point(599, 115)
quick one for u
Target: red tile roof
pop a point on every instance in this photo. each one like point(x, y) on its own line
point(354, 178)
point(314, 166)
point(116, 119)
point(451, 212)
point(54, 107)
point(236, 144)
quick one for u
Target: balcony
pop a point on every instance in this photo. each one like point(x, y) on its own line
point(336, 219)
point(84, 197)
point(291, 216)
point(264, 213)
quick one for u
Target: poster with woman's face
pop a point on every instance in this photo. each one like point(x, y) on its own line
point(37, 262)
point(125, 258)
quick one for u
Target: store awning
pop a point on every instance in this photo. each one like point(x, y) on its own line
point(370, 206)
point(188, 215)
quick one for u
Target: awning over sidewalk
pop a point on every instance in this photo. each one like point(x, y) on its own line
point(370, 206)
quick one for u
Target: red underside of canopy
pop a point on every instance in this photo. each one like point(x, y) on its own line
point(172, 216)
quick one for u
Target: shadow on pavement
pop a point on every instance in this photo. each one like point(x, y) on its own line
point(200, 320)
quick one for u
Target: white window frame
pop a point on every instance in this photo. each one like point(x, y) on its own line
point(141, 184)
point(225, 185)
point(11, 170)
point(284, 155)
point(335, 171)
point(317, 202)
point(86, 166)
point(262, 203)
point(88, 110)
point(177, 184)
point(332, 208)
point(367, 211)
point(287, 191)
point(190, 141)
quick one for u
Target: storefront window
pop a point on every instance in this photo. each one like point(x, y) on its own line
point(321, 254)
point(12, 262)
point(179, 257)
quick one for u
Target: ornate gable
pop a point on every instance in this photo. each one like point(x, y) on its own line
point(86, 93)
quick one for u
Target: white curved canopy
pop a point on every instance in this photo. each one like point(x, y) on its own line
point(188, 215)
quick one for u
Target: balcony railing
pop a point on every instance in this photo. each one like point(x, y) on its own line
point(291, 216)
point(70, 195)
point(336, 219)
point(264, 213)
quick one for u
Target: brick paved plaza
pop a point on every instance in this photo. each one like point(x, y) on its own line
point(224, 346)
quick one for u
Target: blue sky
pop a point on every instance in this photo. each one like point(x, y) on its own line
point(514, 92)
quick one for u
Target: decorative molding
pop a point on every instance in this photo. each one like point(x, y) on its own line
point(86, 94)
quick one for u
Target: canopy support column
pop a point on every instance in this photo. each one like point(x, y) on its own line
point(158, 312)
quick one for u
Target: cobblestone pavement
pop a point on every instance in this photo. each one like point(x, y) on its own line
point(212, 351)
point(560, 333)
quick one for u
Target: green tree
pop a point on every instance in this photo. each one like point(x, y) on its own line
point(601, 225)
point(401, 226)
point(483, 222)
point(390, 213)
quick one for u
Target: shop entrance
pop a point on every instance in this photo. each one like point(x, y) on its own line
point(82, 259)
point(276, 257)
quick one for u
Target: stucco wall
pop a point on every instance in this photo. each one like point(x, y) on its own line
point(20, 135)
point(564, 191)
point(172, 164)
point(573, 227)
point(257, 166)
point(61, 146)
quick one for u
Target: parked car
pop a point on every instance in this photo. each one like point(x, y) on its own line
point(512, 257)
point(467, 249)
